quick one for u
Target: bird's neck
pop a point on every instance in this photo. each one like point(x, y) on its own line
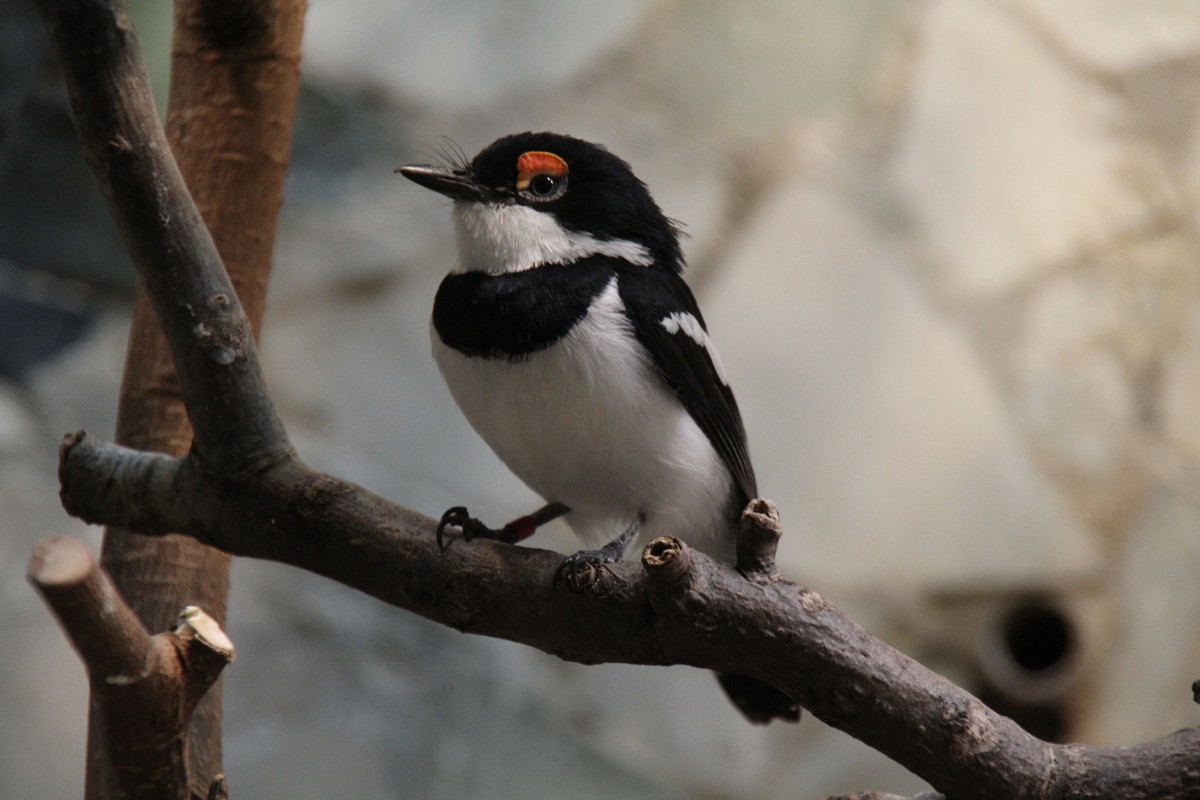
point(499, 239)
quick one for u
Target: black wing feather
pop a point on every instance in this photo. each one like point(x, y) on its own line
point(649, 296)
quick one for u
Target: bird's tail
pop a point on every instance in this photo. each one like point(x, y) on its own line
point(759, 702)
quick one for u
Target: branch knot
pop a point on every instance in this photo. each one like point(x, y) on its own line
point(758, 537)
point(667, 559)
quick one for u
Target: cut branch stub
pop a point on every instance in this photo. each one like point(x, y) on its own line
point(148, 686)
point(108, 636)
point(203, 649)
point(758, 536)
point(667, 559)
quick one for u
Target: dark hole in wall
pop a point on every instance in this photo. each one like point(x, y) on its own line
point(1038, 637)
point(1028, 668)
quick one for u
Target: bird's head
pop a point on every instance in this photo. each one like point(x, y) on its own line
point(532, 199)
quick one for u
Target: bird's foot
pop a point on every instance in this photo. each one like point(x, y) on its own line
point(517, 530)
point(582, 571)
point(471, 528)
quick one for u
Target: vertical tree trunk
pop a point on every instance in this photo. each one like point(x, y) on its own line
point(234, 82)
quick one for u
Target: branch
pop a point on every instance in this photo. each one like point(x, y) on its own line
point(144, 686)
point(209, 336)
point(246, 492)
point(659, 612)
point(234, 82)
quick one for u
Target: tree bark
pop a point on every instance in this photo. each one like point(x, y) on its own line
point(677, 607)
point(234, 83)
point(150, 684)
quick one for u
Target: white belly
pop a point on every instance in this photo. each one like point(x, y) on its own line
point(587, 423)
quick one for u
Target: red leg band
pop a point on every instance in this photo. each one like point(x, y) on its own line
point(522, 527)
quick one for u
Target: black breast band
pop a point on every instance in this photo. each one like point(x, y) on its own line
point(515, 314)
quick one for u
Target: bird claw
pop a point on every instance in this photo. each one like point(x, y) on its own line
point(583, 570)
point(470, 527)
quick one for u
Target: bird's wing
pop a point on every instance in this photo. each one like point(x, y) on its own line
point(667, 322)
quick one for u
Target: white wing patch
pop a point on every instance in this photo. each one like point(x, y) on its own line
point(496, 239)
point(687, 324)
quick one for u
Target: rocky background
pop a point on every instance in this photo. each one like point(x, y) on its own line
point(948, 249)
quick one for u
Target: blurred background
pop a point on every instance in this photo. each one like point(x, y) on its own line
point(949, 253)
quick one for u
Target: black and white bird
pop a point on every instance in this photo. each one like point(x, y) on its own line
point(570, 341)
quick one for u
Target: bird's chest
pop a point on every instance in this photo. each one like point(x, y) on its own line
point(584, 418)
point(572, 415)
point(535, 360)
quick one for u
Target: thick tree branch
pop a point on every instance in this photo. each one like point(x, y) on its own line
point(706, 615)
point(234, 82)
point(146, 687)
point(244, 491)
point(209, 335)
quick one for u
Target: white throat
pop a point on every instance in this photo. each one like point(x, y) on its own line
point(497, 238)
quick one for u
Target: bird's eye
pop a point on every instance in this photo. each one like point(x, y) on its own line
point(541, 176)
point(543, 185)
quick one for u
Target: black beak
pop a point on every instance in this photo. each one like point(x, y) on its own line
point(456, 184)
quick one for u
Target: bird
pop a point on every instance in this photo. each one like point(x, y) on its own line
point(569, 339)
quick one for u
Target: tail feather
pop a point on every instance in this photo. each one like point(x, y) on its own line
point(759, 702)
